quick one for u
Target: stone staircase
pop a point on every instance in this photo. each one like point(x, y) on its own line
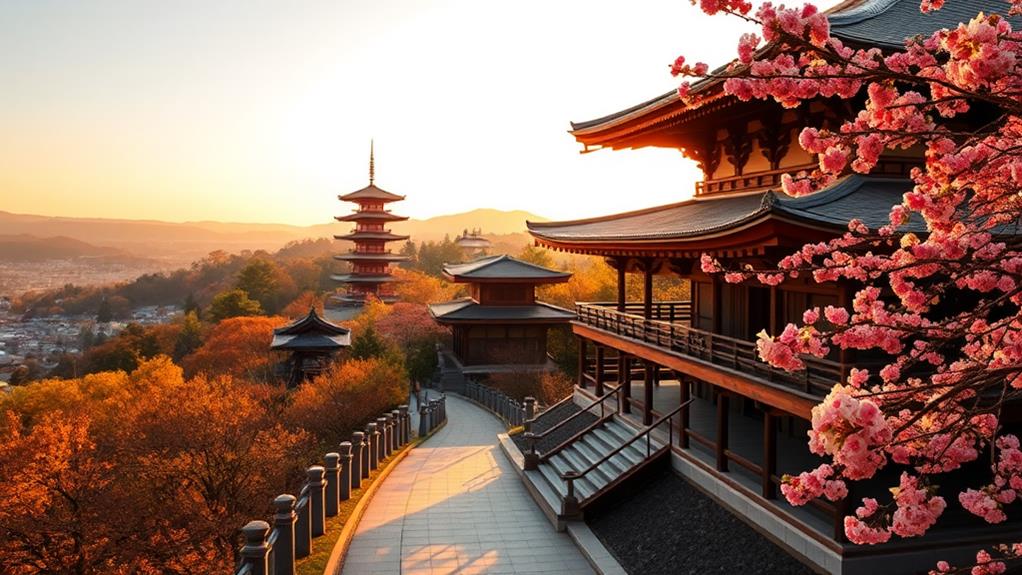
point(605, 454)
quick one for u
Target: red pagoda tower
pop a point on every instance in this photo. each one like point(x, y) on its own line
point(370, 259)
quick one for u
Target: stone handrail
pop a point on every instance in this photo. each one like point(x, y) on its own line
point(511, 411)
point(298, 520)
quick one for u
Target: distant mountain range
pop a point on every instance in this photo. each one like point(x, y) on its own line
point(185, 242)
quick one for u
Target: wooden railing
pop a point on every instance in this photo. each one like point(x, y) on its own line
point(672, 311)
point(533, 459)
point(571, 503)
point(514, 413)
point(679, 337)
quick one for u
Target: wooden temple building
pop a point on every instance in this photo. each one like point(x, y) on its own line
point(473, 243)
point(501, 326)
point(370, 259)
point(746, 424)
point(311, 342)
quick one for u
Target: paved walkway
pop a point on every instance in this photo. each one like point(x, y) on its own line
point(455, 505)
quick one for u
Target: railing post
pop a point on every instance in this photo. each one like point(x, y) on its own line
point(570, 507)
point(531, 457)
point(284, 523)
point(722, 427)
point(395, 430)
point(686, 393)
point(359, 468)
point(344, 480)
point(406, 429)
point(256, 551)
point(625, 383)
point(388, 436)
point(423, 422)
point(373, 438)
point(303, 526)
point(530, 412)
point(600, 352)
point(332, 472)
point(317, 491)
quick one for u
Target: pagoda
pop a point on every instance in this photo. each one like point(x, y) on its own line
point(500, 326)
point(311, 341)
point(370, 259)
point(473, 243)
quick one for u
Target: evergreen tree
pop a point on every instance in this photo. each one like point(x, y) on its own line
point(259, 280)
point(368, 344)
point(192, 306)
point(190, 337)
point(233, 303)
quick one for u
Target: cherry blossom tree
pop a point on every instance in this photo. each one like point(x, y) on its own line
point(940, 292)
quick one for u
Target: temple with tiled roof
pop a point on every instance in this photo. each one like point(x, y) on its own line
point(370, 259)
point(500, 326)
point(311, 341)
point(737, 425)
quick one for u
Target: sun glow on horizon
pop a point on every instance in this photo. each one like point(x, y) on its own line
point(263, 113)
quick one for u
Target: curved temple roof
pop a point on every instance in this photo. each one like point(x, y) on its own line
point(468, 310)
point(864, 197)
point(312, 332)
point(502, 268)
point(371, 192)
point(881, 23)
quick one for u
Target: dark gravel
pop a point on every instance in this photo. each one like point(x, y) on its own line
point(552, 417)
point(669, 526)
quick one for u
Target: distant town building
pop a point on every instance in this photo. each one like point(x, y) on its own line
point(501, 326)
point(473, 244)
point(370, 259)
point(311, 342)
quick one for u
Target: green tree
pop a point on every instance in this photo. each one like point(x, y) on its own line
point(192, 306)
point(259, 280)
point(190, 337)
point(368, 344)
point(233, 303)
point(536, 255)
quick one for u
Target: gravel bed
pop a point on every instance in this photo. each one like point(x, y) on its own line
point(672, 527)
point(552, 417)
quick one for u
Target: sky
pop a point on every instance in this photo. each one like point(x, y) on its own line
point(262, 111)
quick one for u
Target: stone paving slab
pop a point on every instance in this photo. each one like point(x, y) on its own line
point(454, 505)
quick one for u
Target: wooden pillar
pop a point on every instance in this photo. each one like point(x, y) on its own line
point(722, 417)
point(600, 353)
point(621, 281)
point(717, 304)
point(647, 394)
point(686, 394)
point(647, 289)
point(769, 453)
point(624, 379)
point(581, 363)
point(774, 295)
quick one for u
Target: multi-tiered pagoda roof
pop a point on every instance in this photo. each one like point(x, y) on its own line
point(370, 259)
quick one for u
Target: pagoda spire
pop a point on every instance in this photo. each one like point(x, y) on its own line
point(372, 162)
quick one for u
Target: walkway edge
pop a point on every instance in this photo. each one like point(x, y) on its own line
point(582, 536)
point(343, 543)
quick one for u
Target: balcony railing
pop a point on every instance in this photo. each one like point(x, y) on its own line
point(669, 328)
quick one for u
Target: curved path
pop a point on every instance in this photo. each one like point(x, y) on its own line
point(455, 505)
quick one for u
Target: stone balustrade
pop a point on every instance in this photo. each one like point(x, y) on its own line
point(298, 520)
point(513, 412)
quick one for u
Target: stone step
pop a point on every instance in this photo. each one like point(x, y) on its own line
point(598, 477)
point(583, 486)
point(631, 453)
point(614, 466)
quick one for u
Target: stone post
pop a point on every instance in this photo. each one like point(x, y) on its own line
point(345, 479)
point(388, 444)
point(373, 438)
point(358, 468)
point(303, 524)
point(406, 425)
point(256, 551)
point(332, 473)
point(423, 422)
point(530, 412)
point(284, 522)
point(381, 444)
point(317, 492)
point(395, 441)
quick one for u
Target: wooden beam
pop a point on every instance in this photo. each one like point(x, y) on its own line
point(582, 363)
point(647, 290)
point(599, 370)
point(624, 380)
point(790, 401)
point(722, 417)
point(686, 394)
point(621, 280)
point(647, 394)
point(769, 454)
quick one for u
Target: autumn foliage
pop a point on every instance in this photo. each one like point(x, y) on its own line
point(238, 346)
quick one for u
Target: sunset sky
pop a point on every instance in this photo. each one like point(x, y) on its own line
point(260, 111)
